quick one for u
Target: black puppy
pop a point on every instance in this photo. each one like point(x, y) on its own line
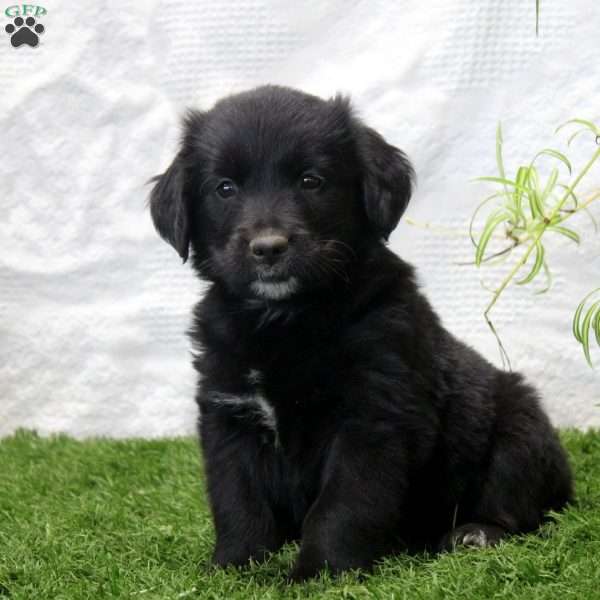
point(335, 408)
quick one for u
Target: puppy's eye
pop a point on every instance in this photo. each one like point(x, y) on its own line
point(226, 189)
point(311, 182)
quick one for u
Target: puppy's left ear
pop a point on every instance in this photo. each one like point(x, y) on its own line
point(169, 209)
point(388, 179)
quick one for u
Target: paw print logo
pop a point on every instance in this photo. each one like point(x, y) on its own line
point(24, 32)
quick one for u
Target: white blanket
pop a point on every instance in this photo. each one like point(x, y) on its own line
point(93, 305)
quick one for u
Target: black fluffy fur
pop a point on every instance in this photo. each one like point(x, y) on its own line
point(342, 415)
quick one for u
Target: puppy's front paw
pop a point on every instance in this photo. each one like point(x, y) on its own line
point(302, 571)
point(309, 563)
point(231, 557)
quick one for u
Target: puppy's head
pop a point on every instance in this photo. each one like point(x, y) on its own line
point(277, 191)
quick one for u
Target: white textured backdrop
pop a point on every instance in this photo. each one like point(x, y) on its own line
point(93, 305)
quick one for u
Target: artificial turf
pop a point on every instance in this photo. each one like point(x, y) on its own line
point(129, 519)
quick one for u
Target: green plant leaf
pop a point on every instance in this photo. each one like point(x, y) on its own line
point(499, 159)
point(585, 331)
point(520, 188)
point(516, 200)
point(592, 219)
point(554, 154)
point(572, 235)
point(491, 224)
point(577, 318)
point(548, 275)
point(537, 265)
point(474, 215)
point(571, 193)
point(587, 124)
point(577, 330)
point(550, 185)
point(502, 180)
point(573, 136)
point(529, 176)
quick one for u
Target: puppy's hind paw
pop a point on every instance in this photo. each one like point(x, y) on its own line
point(473, 535)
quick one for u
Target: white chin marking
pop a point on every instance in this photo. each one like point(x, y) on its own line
point(275, 290)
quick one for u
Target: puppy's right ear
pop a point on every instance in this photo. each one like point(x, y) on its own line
point(168, 207)
point(169, 204)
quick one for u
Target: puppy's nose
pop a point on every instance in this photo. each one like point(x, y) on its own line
point(268, 247)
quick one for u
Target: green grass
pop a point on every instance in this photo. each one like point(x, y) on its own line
point(128, 519)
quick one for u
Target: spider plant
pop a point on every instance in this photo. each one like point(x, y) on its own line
point(523, 212)
point(587, 319)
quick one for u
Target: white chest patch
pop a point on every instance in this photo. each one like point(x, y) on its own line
point(256, 404)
